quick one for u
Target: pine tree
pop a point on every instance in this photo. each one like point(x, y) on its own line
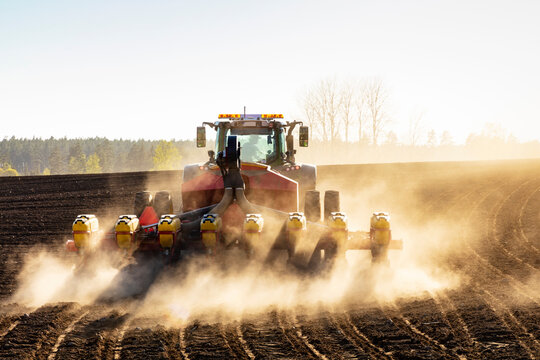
point(34, 160)
point(104, 151)
point(135, 156)
point(77, 160)
point(56, 161)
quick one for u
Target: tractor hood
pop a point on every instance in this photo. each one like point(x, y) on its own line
point(203, 186)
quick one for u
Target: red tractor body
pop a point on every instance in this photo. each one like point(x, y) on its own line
point(263, 187)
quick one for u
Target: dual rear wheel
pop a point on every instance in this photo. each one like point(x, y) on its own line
point(312, 205)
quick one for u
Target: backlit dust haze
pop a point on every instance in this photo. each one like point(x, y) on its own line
point(115, 69)
point(199, 289)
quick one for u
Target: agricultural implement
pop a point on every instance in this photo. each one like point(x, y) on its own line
point(246, 196)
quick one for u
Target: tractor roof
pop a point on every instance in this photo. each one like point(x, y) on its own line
point(251, 120)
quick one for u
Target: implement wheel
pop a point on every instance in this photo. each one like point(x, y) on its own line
point(331, 202)
point(163, 203)
point(142, 200)
point(312, 206)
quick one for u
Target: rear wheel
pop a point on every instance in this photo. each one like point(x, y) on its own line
point(163, 203)
point(142, 200)
point(322, 259)
point(312, 206)
point(331, 202)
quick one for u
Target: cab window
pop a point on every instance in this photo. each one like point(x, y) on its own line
point(258, 145)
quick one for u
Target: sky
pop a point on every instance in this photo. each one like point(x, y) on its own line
point(157, 69)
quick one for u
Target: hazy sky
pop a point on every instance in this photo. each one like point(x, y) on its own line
point(155, 69)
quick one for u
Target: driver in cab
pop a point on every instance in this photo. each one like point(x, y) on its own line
point(253, 150)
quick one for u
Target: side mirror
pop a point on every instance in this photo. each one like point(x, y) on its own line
point(304, 136)
point(201, 136)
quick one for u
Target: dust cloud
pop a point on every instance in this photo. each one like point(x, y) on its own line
point(200, 289)
point(479, 147)
point(48, 277)
point(206, 291)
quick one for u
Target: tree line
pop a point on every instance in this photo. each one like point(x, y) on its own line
point(95, 155)
point(92, 155)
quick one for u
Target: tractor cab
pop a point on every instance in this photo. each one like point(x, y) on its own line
point(265, 149)
point(263, 138)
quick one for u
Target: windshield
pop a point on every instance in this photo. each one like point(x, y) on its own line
point(258, 145)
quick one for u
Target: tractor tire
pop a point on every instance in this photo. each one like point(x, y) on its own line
point(163, 203)
point(331, 202)
point(142, 200)
point(312, 205)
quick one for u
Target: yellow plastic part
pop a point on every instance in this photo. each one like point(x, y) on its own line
point(170, 224)
point(125, 227)
point(296, 227)
point(85, 227)
point(296, 221)
point(253, 225)
point(337, 221)
point(210, 227)
point(380, 228)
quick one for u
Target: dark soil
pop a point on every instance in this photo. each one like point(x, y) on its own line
point(493, 209)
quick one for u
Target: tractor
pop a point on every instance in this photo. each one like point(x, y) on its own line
point(251, 195)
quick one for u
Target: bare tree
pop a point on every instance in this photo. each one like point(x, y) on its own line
point(391, 138)
point(331, 108)
point(321, 106)
point(416, 128)
point(330, 98)
point(347, 102)
point(360, 105)
point(432, 138)
point(311, 108)
point(446, 139)
point(376, 98)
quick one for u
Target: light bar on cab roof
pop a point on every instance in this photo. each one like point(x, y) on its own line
point(272, 116)
point(250, 116)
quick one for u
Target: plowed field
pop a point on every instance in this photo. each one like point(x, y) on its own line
point(472, 240)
